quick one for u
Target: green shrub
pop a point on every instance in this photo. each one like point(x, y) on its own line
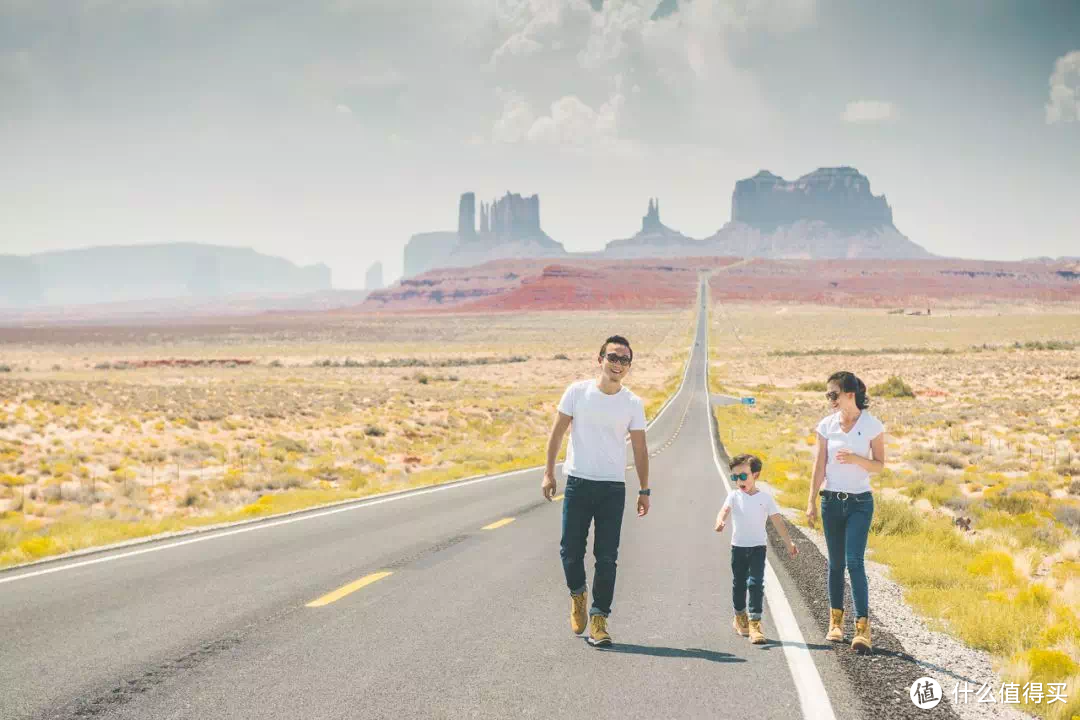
point(893, 387)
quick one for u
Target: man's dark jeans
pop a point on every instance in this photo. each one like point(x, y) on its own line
point(846, 523)
point(747, 573)
point(584, 502)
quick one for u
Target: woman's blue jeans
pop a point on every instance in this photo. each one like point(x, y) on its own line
point(846, 523)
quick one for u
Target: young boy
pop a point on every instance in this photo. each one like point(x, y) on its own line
point(750, 506)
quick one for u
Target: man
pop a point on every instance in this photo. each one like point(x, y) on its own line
point(599, 412)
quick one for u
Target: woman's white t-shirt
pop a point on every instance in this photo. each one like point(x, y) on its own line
point(848, 478)
point(597, 449)
point(748, 516)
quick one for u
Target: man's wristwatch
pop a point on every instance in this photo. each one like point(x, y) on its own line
point(646, 491)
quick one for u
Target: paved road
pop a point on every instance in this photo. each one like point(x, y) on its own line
point(469, 622)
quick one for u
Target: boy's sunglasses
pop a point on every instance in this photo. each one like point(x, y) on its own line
point(832, 395)
point(739, 477)
point(620, 359)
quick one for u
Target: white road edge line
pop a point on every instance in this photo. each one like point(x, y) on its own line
point(812, 695)
point(312, 515)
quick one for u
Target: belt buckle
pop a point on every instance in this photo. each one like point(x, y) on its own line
point(841, 496)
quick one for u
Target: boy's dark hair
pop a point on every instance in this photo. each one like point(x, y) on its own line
point(617, 340)
point(747, 459)
point(851, 384)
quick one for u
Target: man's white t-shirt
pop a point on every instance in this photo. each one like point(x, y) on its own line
point(749, 514)
point(848, 478)
point(597, 449)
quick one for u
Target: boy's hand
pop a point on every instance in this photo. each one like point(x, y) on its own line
point(792, 549)
point(720, 522)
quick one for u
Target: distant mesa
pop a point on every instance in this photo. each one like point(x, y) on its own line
point(829, 213)
point(373, 279)
point(509, 228)
point(131, 273)
point(655, 238)
point(838, 197)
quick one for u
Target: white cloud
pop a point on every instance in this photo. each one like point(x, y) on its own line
point(682, 84)
point(343, 109)
point(572, 122)
point(515, 121)
point(868, 111)
point(1064, 104)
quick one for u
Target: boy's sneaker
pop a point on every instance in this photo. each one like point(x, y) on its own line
point(741, 623)
point(598, 634)
point(756, 636)
point(579, 615)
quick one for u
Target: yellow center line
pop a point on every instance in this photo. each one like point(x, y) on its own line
point(347, 589)
point(498, 524)
point(557, 497)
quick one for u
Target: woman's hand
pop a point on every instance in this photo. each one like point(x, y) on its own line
point(811, 514)
point(846, 457)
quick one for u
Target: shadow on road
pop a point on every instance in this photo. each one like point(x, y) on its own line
point(781, 643)
point(929, 666)
point(656, 651)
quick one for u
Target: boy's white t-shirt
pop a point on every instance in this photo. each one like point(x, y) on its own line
point(848, 478)
point(597, 449)
point(749, 513)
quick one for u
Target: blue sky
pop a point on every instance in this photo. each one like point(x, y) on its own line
point(332, 130)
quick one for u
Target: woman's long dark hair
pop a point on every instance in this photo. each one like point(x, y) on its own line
point(850, 384)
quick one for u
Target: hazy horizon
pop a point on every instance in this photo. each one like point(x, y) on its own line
point(334, 130)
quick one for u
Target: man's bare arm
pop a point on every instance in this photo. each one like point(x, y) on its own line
point(558, 430)
point(641, 456)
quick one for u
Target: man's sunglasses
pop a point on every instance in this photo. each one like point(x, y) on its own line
point(832, 395)
point(620, 359)
point(739, 477)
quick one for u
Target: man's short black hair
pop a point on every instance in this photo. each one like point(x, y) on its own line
point(747, 459)
point(617, 340)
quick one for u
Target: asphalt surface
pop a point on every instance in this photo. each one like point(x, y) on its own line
point(469, 622)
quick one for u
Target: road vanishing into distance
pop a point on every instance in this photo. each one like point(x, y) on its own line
point(445, 602)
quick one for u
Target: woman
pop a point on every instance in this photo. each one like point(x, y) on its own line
point(850, 446)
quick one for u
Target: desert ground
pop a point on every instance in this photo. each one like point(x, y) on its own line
point(982, 413)
point(111, 433)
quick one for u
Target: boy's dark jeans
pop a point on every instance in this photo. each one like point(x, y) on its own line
point(586, 501)
point(846, 523)
point(748, 573)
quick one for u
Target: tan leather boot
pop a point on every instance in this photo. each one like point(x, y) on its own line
point(741, 623)
point(598, 632)
point(756, 636)
point(836, 625)
point(579, 616)
point(861, 641)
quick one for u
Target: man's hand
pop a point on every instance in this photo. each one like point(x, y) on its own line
point(548, 486)
point(792, 550)
point(642, 505)
point(811, 514)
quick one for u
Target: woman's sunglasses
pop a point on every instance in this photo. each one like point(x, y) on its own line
point(620, 359)
point(739, 477)
point(832, 395)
